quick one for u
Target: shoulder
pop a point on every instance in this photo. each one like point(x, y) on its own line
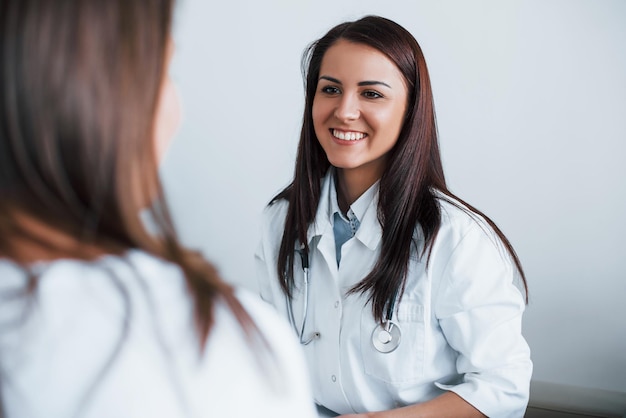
point(276, 210)
point(101, 289)
point(273, 220)
point(469, 252)
point(453, 212)
point(457, 221)
point(133, 262)
point(267, 364)
point(134, 271)
point(465, 234)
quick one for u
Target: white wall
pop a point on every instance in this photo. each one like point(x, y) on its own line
point(531, 107)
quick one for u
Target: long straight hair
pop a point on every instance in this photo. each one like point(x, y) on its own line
point(409, 187)
point(80, 88)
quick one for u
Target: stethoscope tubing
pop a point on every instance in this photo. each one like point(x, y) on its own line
point(384, 343)
point(304, 256)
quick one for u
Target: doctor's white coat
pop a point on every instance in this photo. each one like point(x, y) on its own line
point(460, 318)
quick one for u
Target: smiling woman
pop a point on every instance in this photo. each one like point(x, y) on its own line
point(416, 297)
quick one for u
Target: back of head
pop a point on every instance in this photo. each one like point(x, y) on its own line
point(80, 83)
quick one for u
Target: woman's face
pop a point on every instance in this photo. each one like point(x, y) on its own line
point(359, 107)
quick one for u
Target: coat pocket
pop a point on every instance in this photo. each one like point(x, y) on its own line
point(406, 363)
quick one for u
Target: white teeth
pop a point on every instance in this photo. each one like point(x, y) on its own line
point(348, 136)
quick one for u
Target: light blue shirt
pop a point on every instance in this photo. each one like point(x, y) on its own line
point(345, 226)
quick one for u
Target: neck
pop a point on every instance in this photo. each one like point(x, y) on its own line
point(351, 184)
point(32, 240)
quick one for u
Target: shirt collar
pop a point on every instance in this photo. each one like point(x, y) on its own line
point(369, 233)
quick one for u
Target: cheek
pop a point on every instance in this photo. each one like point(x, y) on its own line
point(317, 115)
point(392, 121)
point(168, 118)
point(321, 112)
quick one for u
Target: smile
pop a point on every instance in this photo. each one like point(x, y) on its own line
point(347, 136)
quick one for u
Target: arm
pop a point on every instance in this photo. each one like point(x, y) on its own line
point(479, 307)
point(448, 405)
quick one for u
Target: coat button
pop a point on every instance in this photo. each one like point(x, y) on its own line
point(333, 378)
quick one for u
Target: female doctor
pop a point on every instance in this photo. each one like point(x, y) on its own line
point(408, 301)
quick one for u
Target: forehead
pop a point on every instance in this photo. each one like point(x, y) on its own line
point(350, 60)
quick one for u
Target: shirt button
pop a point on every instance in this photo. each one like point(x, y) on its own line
point(336, 304)
point(333, 378)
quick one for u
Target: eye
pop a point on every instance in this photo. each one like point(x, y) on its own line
point(331, 90)
point(372, 94)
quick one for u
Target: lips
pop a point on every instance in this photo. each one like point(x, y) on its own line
point(347, 135)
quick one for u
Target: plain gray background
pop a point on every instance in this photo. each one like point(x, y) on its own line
point(531, 108)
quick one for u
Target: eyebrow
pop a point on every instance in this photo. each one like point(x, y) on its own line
point(361, 83)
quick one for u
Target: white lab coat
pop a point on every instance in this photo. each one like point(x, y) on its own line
point(460, 318)
point(59, 344)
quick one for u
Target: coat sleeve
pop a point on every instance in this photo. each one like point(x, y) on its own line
point(266, 254)
point(263, 275)
point(479, 308)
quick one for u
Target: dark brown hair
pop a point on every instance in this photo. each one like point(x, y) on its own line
point(80, 87)
point(408, 187)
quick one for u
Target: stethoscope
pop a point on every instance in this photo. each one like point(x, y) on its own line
point(304, 256)
point(385, 337)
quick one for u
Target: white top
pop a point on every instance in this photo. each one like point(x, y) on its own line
point(116, 338)
point(460, 318)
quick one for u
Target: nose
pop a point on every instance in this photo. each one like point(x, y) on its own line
point(348, 108)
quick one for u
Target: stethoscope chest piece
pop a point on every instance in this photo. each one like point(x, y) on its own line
point(386, 337)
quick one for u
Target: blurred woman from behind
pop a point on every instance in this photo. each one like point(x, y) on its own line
point(100, 317)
